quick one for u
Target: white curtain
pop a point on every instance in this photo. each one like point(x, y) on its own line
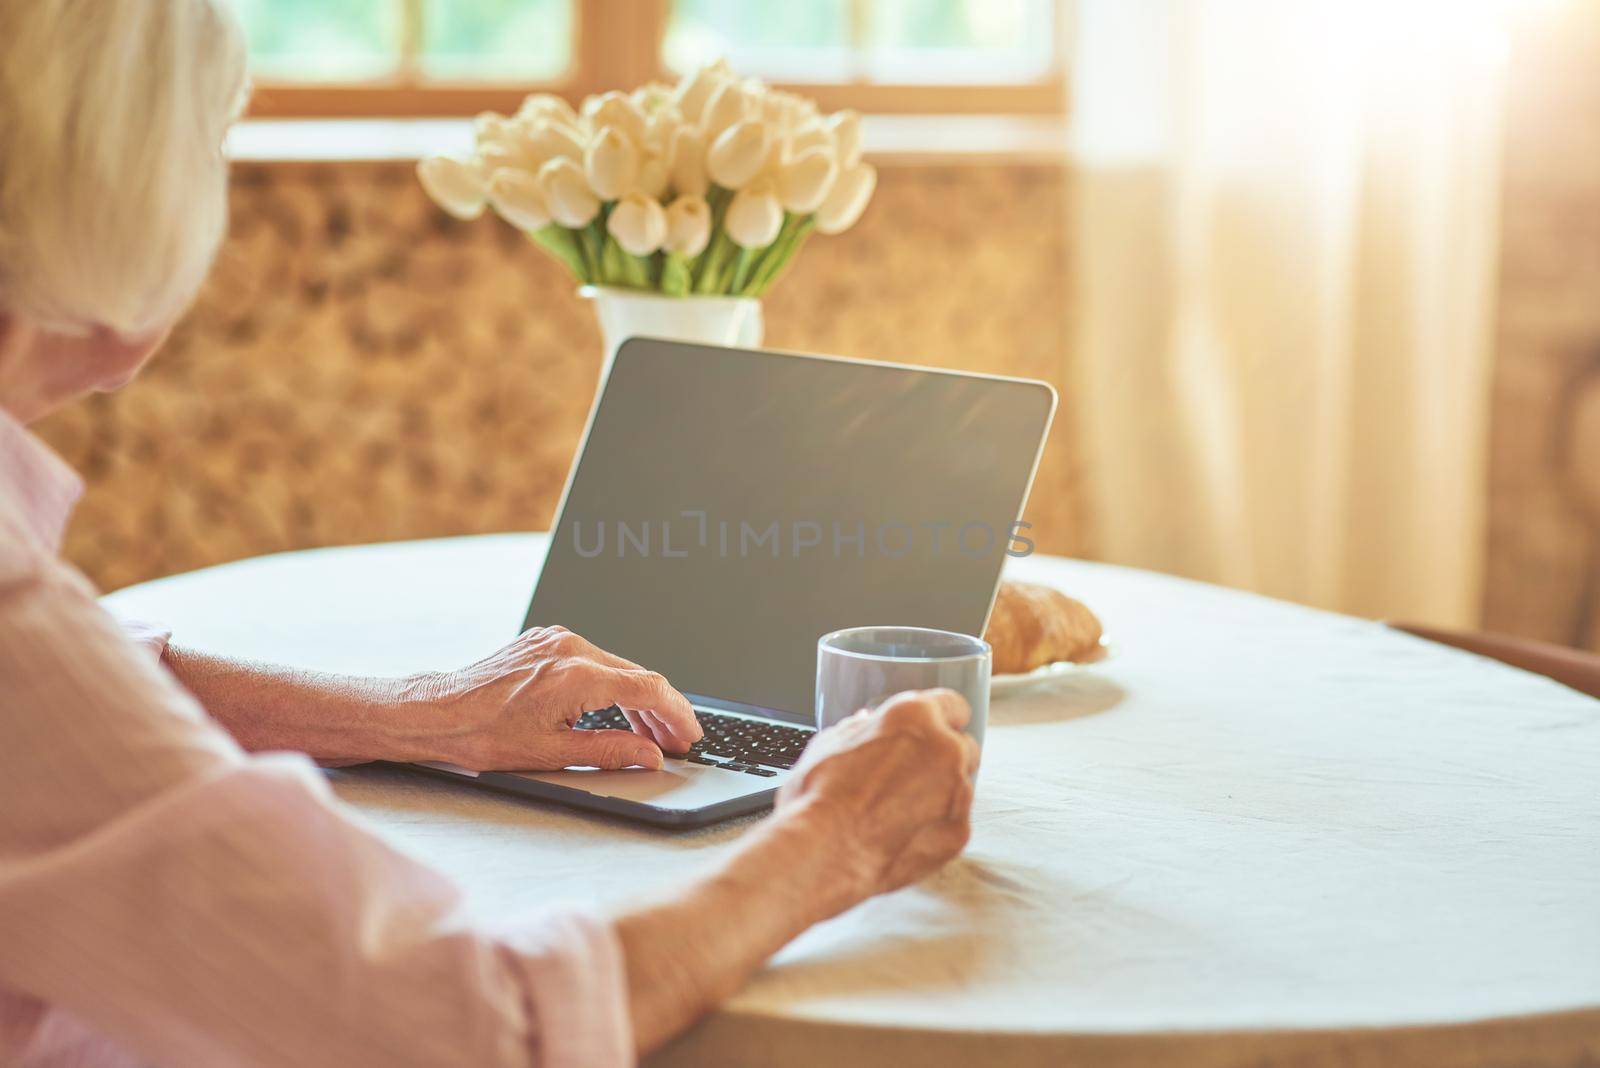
point(1285, 221)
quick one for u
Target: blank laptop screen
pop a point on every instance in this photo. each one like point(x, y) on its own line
point(731, 507)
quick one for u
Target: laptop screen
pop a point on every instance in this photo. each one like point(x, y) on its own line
point(729, 508)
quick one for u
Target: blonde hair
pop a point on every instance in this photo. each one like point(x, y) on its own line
point(112, 181)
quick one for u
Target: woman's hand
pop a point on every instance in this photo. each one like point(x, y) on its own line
point(891, 789)
point(516, 708)
point(876, 802)
point(512, 711)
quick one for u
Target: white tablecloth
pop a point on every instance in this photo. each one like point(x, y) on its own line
point(1259, 833)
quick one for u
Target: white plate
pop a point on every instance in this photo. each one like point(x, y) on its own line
point(1002, 684)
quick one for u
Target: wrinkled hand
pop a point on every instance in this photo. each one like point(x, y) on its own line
point(892, 787)
point(874, 803)
point(515, 710)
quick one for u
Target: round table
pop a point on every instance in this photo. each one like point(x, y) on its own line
point(1258, 834)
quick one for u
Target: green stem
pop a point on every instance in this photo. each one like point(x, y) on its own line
point(611, 268)
point(626, 268)
point(592, 243)
point(742, 268)
point(773, 267)
point(717, 198)
point(712, 269)
point(563, 245)
point(675, 277)
point(774, 253)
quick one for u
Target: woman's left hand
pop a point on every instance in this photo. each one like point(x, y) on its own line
point(516, 709)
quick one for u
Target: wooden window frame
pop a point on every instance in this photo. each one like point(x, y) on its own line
point(617, 44)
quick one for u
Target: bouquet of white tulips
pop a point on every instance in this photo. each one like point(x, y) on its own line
point(709, 187)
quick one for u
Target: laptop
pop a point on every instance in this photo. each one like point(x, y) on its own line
point(729, 507)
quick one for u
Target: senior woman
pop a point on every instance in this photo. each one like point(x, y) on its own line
point(166, 896)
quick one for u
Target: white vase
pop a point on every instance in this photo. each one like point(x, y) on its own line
point(625, 313)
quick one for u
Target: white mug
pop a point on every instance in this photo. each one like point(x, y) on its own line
point(863, 666)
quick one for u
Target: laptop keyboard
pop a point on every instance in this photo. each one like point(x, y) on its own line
point(752, 746)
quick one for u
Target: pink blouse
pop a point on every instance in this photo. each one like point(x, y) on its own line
point(167, 898)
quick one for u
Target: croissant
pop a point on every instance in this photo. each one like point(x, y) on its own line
point(1035, 625)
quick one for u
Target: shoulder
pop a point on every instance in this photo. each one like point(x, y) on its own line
point(26, 559)
point(42, 597)
point(63, 654)
point(23, 555)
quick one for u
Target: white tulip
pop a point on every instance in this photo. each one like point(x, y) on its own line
point(795, 110)
point(811, 135)
point(695, 90)
point(786, 111)
point(653, 176)
point(726, 108)
point(548, 140)
point(515, 195)
point(846, 128)
point(639, 223)
point(738, 155)
point(688, 226)
point(512, 152)
point(611, 163)
point(777, 151)
point(547, 106)
point(491, 128)
point(494, 155)
point(615, 109)
point(455, 185)
point(567, 194)
point(651, 95)
point(660, 126)
point(848, 199)
point(805, 181)
point(754, 215)
point(688, 161)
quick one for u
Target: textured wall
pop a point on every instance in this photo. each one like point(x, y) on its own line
point(362, 368)
point(1544, 537)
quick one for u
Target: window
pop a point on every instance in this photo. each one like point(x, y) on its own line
point(886, 41)
point(353, 41)
point(457, 57)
